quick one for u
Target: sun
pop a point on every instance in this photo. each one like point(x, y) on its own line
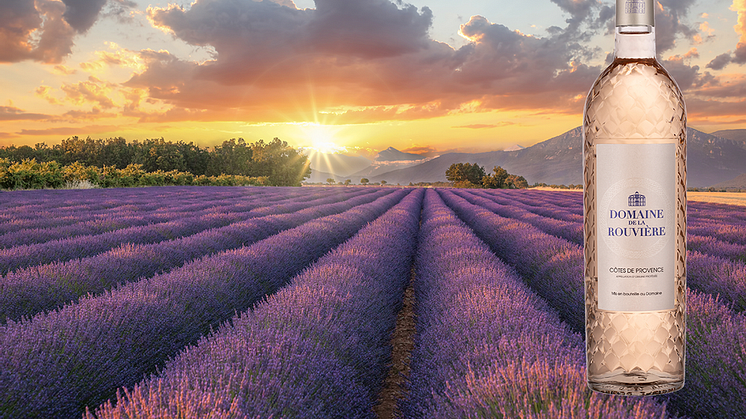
point(320, 139)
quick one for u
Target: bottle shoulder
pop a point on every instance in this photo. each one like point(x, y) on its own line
point(635, 98)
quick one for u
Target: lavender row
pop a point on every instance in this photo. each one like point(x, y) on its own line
point(536, 255)
point(114, 221)
point(553, 267)
point(71, 207)
point(29, 291)
point(571, 203)
point(717, 212)
point(58, 363)
point(316, 349)
point(82, 205)
point(486, 345)
point(711, 272)
point(86, 246)
point(718, 276)
point(569, 230)
point(553, 207)
point(726, 232)
point(705, 235)
point(165, 208)
point(723, 222)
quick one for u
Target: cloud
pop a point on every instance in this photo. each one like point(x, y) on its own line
point(80, 131)
point(362, 61)
point(719, 62)
point(425, 151)
point(485, 126)
point(8, 135)
point(82, 14)
point(63, 70)
point(45, 92)
point(92, 90)
point(118, 57)
point(670, 23)
point(739, 55)
point(370, 60)
point(32, 30)
point(44, 30)
point(11, 113)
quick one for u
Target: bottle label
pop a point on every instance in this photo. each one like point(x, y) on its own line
point(636, 200)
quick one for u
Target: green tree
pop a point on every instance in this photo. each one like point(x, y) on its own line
point(465, 174)
point(364, 181)
point(516, 182)
point(331, 181)
point(232, 157)
point(283, 165)
point(496, 180)
point(347, 182)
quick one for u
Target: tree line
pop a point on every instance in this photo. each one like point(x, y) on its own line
point(276, 161)
point(467, 175)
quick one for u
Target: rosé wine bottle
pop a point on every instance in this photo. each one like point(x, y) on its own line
point(634, 147)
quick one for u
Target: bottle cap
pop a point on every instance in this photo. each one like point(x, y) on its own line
point(635, 13)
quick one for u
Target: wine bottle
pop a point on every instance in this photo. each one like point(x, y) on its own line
point(634, 195)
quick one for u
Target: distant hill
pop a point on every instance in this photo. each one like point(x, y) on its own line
point(554, 161)
point(392, 154)
point(739, 182)
point(732, 134)
point(514, 148)
point(321, 177)
point(710, 160)
point(336, 164)
point(387, 161)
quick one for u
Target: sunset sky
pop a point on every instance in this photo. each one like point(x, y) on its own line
point(354, 76)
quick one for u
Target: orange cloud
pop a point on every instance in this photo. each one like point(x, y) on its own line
point(91, 91)
point(11, 113)
point(45, 92)
point(739, 6)
point(87, 130)
point(119, 57)
point(485, 126)
point(353, 62)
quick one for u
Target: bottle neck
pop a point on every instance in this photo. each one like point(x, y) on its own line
point(634, 42)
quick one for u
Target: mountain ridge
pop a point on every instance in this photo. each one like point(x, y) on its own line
point(559, 160)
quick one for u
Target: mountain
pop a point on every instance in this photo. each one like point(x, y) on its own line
point(515, 147)
point(387, 161)
point(321, 177)
point(710, 160)
point(554, 161)
point(392, 154)
point(336, 164)
point(739, 182)
point(732, 134)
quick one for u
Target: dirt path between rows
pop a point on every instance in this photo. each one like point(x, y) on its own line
point(402, 342)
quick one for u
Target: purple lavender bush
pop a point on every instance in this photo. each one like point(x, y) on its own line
point(486, 346)
point(554, 269)
point(316, 349)
point(28, 291)
point(81, 246)
point(57, 363)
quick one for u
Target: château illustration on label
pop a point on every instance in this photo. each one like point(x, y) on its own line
point(634, 195)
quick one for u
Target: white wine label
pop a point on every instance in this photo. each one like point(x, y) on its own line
point(635, 230)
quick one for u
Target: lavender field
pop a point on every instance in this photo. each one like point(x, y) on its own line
point(262, 302)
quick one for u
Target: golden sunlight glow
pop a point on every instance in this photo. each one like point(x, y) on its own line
point(320, 138)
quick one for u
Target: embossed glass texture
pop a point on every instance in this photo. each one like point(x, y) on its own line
point(634, 101)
